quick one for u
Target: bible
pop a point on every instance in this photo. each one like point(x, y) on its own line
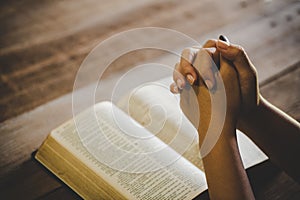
point(141, 147)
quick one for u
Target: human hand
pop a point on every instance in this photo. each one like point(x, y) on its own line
point(202, 88)
point(237, 56)
point(247, 73)
point(224, 99)
point(189, 92)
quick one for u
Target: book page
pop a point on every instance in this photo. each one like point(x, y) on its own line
point(142, 104)
point(137, 177)
point(250, 153)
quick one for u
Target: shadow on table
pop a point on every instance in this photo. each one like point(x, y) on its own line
point(31, 180)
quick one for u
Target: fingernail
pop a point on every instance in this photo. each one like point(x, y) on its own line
point(223, 45)
point(223, 38)
point(208, 84)
point(190, 78)
point(175, 89)
point(179, 84)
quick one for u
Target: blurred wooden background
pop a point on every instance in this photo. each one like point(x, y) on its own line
point(43, 43)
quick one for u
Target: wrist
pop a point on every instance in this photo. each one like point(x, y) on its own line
point(229, 127)
point(250, 116)
point(226, 140)
point(224, 129)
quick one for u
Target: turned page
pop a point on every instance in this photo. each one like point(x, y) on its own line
point(158, 110)
point(127, 156)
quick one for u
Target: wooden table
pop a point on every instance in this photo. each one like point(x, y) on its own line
point(43, 44)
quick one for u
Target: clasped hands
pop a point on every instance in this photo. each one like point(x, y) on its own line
point(200, 71)
point(200, 85)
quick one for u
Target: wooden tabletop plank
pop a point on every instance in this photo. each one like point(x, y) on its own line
point(61, 193)
point(45, 65)
point(30, 180)
point(284, 92)
point(268, 181)
point(23, 134)
point(36, 68)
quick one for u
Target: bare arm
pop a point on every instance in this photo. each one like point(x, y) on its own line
point(225, 173)
point(277, 134)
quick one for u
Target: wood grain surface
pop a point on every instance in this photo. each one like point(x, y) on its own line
point(43, 43)
point(32, 180)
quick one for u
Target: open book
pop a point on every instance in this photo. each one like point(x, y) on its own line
point(143, 148)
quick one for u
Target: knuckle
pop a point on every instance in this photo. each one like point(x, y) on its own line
point(240, 51)
point(211, 41)
point(177, 67)
point(184, 65)
point(201, 51)
point(185, 53)
point(188, 70)
point(186, 50)
point(203, 57)
point(253, 73)
point(188, 55)
point(177, 75)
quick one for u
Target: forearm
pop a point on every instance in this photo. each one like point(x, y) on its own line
point(225, 174)
point(277, 134)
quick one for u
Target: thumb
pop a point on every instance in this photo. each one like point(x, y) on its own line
point(244, 67)
point(205, 66)
point(237, 55)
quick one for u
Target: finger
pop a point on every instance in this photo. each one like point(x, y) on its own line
point(230, 80)
point(227, 71)
point(174, 89)
point(178, 77)
point(236, 54)
point(186, 68)
point(212, 43)
point(223, 38)
point(244, 67)
point(203, 64)
point(239, 57)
